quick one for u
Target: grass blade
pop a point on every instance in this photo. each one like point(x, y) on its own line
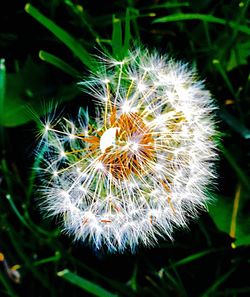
point(235, 211)
point(234, 123)
point(16, 242)
point(224, 76)
point(233, 292)
point(202, 17)
point(241, 174)
point(52, 59)
point(2, 84)
point(167, 5)
point(192, 258)
point(62, 35)
point(54, 258)
point(117, 38)
point(16, 211)
point(6, 284)
point(84, 284)
point(2, 97)
point(217, 283)
point(127, 34)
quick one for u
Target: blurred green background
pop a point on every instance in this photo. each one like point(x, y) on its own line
point(46, 48)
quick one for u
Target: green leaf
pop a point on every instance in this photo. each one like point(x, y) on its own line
point(117, 38)
point(21, 89)
point(52, 59)
point(202, 17)
point(24, 91)
point(229, 215)
point(84, 284)
point(221, 211)
point(64, 36)
point(239, 55)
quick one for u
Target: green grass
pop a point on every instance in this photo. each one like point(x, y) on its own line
point(202, 17)
point(57, 62)
point(65, 37)
point(84, 284)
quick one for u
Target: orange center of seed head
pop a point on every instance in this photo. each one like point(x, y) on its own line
point(134, 147)
point(126, 147)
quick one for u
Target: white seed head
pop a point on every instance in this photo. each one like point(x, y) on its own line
point(144, 167)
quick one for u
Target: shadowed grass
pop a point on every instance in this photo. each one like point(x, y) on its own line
point(85, 284)
point(202, 17)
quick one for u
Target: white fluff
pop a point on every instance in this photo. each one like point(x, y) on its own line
point(118, 187)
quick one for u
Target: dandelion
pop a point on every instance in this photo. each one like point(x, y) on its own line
point(141, 169)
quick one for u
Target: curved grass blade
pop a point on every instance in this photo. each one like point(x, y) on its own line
point(234, 123)
point(192, 257)
point(240, 173)
point(220, 280)
point(16, 211)
point(235, 211)
point(25, 258)
point(62, 35)
point(224, 75)
point(6, 284)
point(202, 17)
point(54, 258)
point(85, 284)
point(52, 59)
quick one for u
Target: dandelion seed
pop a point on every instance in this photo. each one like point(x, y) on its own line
point(143, 168)
point(108, 139)
point(62, 154)
point(46, 128)
point(64, 194)
point(55, 173)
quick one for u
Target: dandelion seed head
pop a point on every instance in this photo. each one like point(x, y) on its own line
point(62, 154)
point(143, 169)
